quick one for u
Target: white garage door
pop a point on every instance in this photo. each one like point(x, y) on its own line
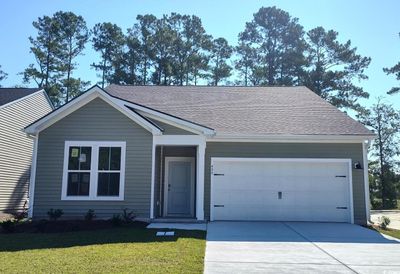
point(281, 189)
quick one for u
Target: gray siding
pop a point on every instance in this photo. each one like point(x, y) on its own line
point(96, 121)
point(289, 150)
point(16, 149)
point(171, 130)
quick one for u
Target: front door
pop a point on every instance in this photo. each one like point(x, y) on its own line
point(179, 187)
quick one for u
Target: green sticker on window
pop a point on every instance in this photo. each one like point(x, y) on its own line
point(75, 152)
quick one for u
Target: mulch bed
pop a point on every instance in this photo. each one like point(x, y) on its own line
point(45, 226)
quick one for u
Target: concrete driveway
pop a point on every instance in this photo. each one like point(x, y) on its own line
point(295, 247)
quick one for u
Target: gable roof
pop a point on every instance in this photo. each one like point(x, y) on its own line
point(8, 95)
point(83, 99)
point(246, 111)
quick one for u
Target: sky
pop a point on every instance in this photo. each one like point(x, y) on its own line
point(372, 26)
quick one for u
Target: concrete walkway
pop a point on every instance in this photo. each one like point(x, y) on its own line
point(290, 247)
point(394, 216)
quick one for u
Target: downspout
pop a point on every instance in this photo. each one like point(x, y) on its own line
point(33, 174)
point(366, 145)
point(161, 181)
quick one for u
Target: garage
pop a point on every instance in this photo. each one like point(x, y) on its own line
point(281, 189)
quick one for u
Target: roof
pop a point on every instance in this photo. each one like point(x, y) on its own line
point(246, 111)
point(7, 95)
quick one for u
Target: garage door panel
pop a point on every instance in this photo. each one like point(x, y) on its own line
point(310, 191)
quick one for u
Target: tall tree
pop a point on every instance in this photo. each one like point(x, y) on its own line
point(144, 30)
point(396, 71)
point(199, 44)
point(221, 51)
point(333, 68)
point(189, 48)
point(46, 47)
point(126, 65)
point(163, 41)
point(109, 40)
point(3, 75)
point(73, 35)
point(245, 63)
point(385, 121)
point(277, 38)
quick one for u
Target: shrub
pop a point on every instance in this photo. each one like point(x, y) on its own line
point(376, 204)
point(8, 226)
point(55, 214)
point(384, 222)
point(116, 220)
point(127, 216)
point(89, 216)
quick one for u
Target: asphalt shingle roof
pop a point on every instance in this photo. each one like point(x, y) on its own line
point(246, 111)
point(8, 95)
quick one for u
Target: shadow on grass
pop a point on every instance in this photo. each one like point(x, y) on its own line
point(29, 241)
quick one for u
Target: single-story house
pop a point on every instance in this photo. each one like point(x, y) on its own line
point(201, 153)
point(19, 107)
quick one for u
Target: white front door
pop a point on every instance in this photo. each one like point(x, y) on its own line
point(281, 190)
point(179, 186)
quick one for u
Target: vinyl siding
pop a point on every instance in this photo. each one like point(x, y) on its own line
point(290, 150)
point(171, 130)
point(96, 121)
point(16, 149)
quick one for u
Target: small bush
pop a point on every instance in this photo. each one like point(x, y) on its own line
point(89, 216)
point(8, 226)
point(384, 222)
point(116, 220)
point(376, 204)
point(54, 215)
point(128, 216)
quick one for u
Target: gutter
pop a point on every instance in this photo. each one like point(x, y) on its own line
point(365, 146)
point(31, 194)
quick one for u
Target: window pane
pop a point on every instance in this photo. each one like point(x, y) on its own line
point(113, 188)
point(102, 186)
point(73, 158)
point(115, 163)
point(104, 158)
point(85, 157)
point(78, 184)
point(108, 184)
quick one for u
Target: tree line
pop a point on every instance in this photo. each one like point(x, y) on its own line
point(174, 49)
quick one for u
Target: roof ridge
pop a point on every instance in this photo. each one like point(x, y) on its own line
point(207, 86)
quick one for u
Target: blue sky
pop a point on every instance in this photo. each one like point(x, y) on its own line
point(372, 26)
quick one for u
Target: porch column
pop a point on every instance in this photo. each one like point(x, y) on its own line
point(201, 149)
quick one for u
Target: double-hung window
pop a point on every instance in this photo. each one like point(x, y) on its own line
point(93, 170)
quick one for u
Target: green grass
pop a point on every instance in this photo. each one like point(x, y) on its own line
point(118, 250)
point(391, 232)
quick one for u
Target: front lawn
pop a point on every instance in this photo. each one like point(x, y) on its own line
point(117, 250)
point(391, 232)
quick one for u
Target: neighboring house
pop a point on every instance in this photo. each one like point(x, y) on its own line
point(202, 153)
point(18, 108)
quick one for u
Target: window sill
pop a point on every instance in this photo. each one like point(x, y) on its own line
point(76, 198)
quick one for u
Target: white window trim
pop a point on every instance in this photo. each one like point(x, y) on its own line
point(94, 171)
